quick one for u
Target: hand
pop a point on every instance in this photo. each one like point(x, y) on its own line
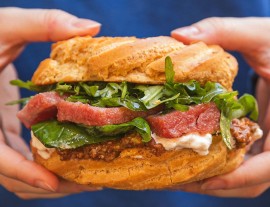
point(251, 37)
point(18, 173)
point(21, 26)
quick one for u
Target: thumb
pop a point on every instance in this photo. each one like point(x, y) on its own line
point(240, 34)
point(30, 25)
point(252, 172)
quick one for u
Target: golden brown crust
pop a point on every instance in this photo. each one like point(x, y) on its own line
point(134, 60)
point(147, 171)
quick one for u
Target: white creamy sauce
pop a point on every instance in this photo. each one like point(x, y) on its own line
point(196, 142)
point(43, 151)
point(258, 133)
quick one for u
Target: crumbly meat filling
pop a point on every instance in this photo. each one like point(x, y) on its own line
point(241, 129)
point(110, 150)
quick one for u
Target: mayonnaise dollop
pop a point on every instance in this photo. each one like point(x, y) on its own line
point(196, 142)
point(43, 151)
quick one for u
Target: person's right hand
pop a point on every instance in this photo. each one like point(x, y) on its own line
point(18, 173)
point(250, 37)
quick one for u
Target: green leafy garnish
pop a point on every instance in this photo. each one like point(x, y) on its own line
point(69, 135)
point(29, 85)
point(232, 108)
point(138, 97)
point(169, 72)
point(22, 101)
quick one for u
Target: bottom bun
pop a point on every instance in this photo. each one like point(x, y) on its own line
point(139, 169)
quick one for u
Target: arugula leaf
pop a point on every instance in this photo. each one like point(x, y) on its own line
point(90, 90)
point(64, 87)
point(173, 95)
point(22, 101)
point(30, 85)
point(169, 72)
point(232, 108)
point(250, 106)
point(225, 125)
point(69, 135)
point(78, 98)
point(130, 103)
point(211, 91)
point(151, 97)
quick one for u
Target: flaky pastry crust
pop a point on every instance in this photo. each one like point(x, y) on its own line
point(131, 59)
point(139, 169)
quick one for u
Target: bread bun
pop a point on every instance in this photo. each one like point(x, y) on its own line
point(130, 59)
point(140, 61)
point(139, 169)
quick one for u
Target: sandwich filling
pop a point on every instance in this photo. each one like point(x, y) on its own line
point(98, 120)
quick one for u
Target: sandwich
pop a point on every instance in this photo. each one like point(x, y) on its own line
point(136, 114)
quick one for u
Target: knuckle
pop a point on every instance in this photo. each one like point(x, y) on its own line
point(50, 17)
point(214, 20)
point(215, 23)
point(51, 21)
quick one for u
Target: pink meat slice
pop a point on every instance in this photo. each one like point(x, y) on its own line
point(96, 116)
point(202, 119)
point(41, 107)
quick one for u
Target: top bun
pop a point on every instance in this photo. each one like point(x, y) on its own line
point(130, 59)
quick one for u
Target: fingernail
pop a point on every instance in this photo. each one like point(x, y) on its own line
point(85, 23)
point(186, 31)
point(214, 185)
point(43, 185)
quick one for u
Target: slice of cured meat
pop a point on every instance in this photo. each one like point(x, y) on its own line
point(49, 105)
point(202, 119)
point(97, 116)
point(41, 107)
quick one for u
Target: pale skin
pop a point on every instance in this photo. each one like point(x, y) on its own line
point(18, 173)
point(250, 37)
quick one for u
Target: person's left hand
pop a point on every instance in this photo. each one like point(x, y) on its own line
point(19, 174)
point(250, 37)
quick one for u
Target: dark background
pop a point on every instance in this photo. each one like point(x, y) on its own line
point(142, 19)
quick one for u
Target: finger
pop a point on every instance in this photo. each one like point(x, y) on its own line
point(254, 171)
point(263, 98)
point(16, 166)
point(9, 93)
point(246, 35)
point(247, 192)
point(18, 144)
point(230, 33)
point(28, 196)
point(267, 142)
point(64, 187)
point(47, 25)
point(16, 186)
